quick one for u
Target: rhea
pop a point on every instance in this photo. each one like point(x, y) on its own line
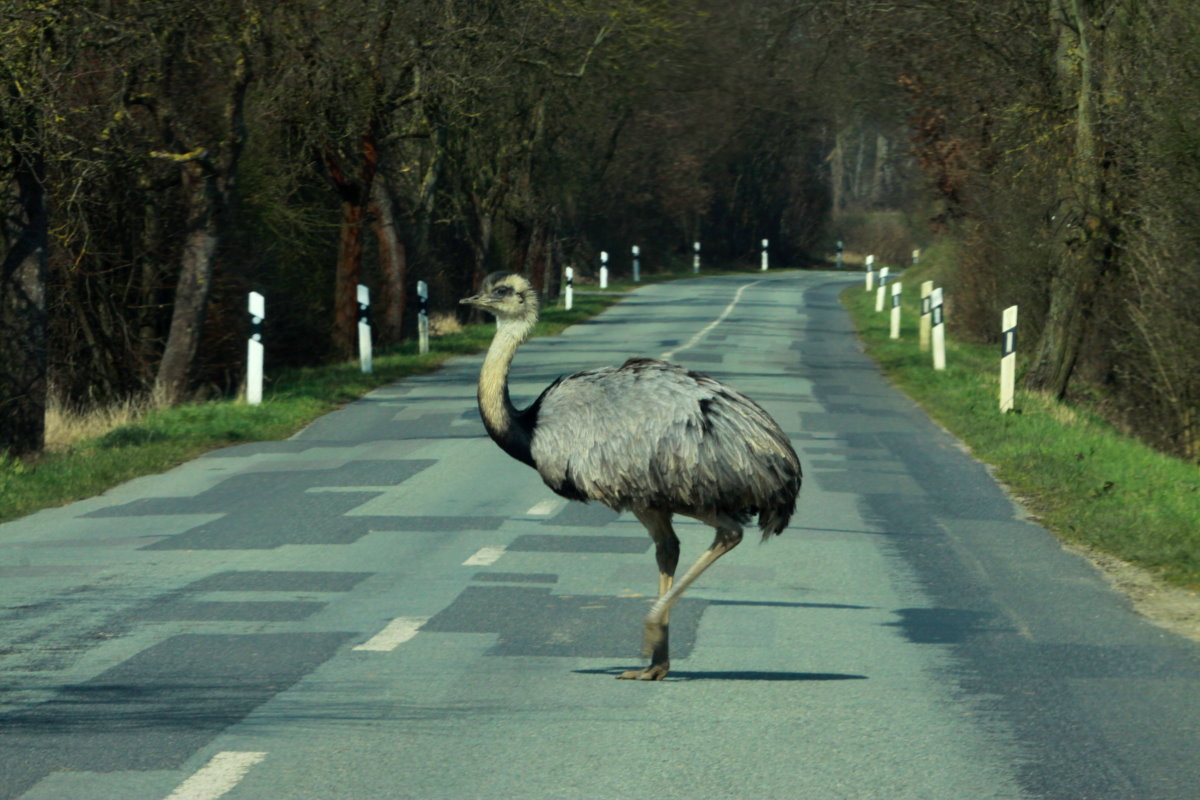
point(648, 437)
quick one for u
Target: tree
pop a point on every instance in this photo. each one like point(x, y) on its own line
point(29, 65)
point(203, 133)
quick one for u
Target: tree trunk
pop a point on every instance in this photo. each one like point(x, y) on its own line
point(535, 255)
point(208, 178)
point(23, 320)
point(355, 195)
point(191, 293)
point(879, 171)
point(837, 174)
point(346, 277)
point(1088, 221)
point(393, 263)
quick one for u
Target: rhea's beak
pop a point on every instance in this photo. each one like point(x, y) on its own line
point(473, 300)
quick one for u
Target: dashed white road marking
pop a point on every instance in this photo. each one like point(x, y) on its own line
point(484, 556)
point(544, 508)
point(222, 772)
point(397, 632)
point(702, 333)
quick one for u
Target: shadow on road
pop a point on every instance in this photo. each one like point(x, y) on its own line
point(738, 675)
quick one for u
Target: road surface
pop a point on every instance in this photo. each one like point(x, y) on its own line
point(387, 606)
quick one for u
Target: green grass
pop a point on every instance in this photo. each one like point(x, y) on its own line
point(1079, 475)
point(292, 399)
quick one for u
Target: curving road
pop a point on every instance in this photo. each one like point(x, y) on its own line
point(387, 606)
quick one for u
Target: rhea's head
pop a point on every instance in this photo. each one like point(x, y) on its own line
point(507, 295)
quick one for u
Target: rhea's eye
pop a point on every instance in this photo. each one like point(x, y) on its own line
point(502, 291)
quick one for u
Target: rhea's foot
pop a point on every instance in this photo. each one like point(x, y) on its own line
point(654, 672)
point(654, 645)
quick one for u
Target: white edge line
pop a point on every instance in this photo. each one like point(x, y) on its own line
point(485, 556)
point(396, 633)
point(702, 333)
point(222, 772)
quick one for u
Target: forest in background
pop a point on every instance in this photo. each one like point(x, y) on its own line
point(159, 159)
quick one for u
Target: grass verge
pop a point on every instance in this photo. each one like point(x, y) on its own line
point(1084, 479)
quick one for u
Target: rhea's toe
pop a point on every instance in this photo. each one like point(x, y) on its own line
point(654, 672)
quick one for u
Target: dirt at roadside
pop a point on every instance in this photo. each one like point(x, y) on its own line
point(1170, 607)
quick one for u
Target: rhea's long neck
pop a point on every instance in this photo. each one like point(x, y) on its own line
point(501, 419)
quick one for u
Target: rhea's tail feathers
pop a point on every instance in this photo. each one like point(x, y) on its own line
point(774, 517)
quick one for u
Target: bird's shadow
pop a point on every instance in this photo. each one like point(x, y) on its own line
point(733, 675)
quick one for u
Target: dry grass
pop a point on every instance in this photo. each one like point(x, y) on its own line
point(66, 425)
point(444, 324)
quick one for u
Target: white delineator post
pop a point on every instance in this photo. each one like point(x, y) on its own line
point(895, 330)
point(926, 313)
point(569, 292)
point(603, 269)
point(364, 328)
point(696, 257)
point(870, 264)
point(840, 247)
point(637, 267)
point(254, 349)
point(938, 322)
point(422, 317)
point(879, 293)
point(1008, 359)
point(764, 255)
point(916, 256)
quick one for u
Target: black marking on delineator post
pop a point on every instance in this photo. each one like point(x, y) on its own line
point(926, 305)
point(939, 315)
point(1008, 344)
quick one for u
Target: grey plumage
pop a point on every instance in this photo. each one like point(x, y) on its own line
point(648, 437)
point(652, 434)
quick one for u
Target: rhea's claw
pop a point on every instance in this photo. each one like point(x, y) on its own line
point(654, 672)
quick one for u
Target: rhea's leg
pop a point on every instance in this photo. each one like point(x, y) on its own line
point(729, 534)
point(666, 552)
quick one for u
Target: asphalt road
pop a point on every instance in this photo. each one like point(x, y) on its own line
point(387, 606)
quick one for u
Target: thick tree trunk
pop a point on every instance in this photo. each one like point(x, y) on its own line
point(191, 293)
point(23, 319)
point(1088, 216)
point(208, 175)
point(355, 194)
point(346, 277)
point(393, 263)
point(535, 255)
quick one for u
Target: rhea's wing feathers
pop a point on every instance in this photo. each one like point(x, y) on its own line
point(653, 434)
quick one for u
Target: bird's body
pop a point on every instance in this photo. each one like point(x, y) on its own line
point(648, 437)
